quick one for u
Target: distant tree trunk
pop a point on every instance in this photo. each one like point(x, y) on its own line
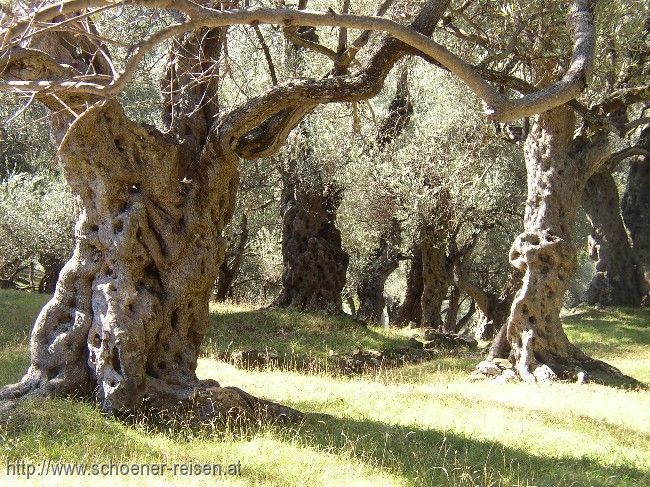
point(229, 269)
point(315, 264)
point(636, 211)
point(464, 321)
point(385, 259)
point(52, 267)
point(436, 281)
point(617, 281)
point(451, 324)
point(558, 167)
point(493, 310)
point(500, 347)
point(382, 262)
point(411, 308)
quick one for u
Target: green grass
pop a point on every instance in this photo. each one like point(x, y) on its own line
point(620, 336)
point(416, 425)
point(293, 335)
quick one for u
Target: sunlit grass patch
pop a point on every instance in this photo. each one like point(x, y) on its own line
point(18, 309)
point(422, 424)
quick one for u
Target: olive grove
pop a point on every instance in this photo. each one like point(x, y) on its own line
point(153, 203)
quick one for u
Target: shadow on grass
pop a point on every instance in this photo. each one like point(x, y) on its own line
point(72, 431)
point(436, 458)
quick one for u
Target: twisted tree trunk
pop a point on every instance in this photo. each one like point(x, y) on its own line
point(436, 280)
point(636, 211)
point(558, 168)
point(383, 261)
point(617, 281)
point(410, 311)
point(131, 306)
point(130, 309)
point(315, 264)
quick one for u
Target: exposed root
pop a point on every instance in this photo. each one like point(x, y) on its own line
point(205, 402)
point(580, 367)
point(533, 369)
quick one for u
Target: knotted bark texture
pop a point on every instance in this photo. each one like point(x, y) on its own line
point(617, 281)
point(131, 306)
point(315, 264)
point(557, 172)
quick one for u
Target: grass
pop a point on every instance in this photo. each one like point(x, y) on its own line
point(415, 425)
point(296, 337)
point(620, 336)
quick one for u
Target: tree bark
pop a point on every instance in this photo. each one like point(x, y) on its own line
point(636, 211)
point(617, 281)
point(451, 324)
point(410, 311)
point(229, 269)
point(382, 263)
point(131, 306)
point(436, 280)
point(315, 264)
point(545, 252)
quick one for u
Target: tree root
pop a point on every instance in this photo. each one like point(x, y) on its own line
point(578, 368)
point(582, 368)
point(204, 402)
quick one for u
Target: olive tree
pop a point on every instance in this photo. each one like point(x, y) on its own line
point(130, 308)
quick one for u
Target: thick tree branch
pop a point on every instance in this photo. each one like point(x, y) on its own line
point(498, 106)
point(620, 156)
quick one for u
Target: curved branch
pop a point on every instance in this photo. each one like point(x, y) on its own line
point(498, 107)
point(291, 33)
point(620, 156)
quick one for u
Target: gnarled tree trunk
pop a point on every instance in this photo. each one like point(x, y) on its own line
point(558, 169)
point(383, 261)
point(617, 281)
point(410, 311)
point(436, 280)
point(131, 306)
point(636, 211)
point(315, 264)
